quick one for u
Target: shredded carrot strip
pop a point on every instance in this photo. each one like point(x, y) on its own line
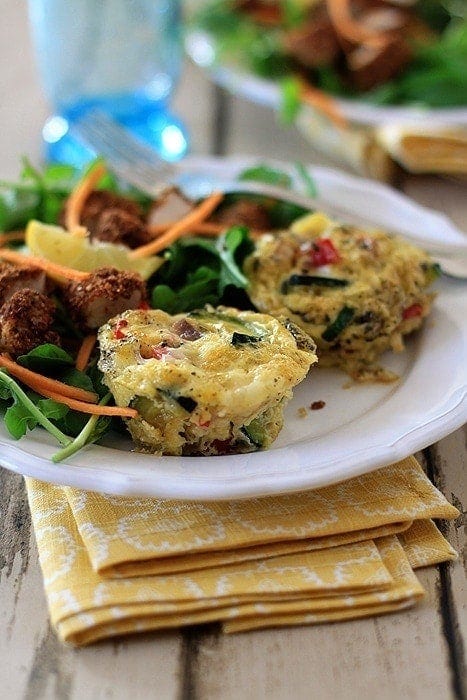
point(340, 15)
point(323, 103)
point(84, 353)
point(40, 383)
point(78, 197)
point(185, 225)
point(95, 409)
point(11, 236)
point(206, 227)
point(46, 265)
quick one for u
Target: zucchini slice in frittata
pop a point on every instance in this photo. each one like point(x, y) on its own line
point(355, 292)
point(213, 381)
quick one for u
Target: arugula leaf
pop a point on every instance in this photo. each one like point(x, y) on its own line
point(438, 82)
point(37, 195)
point(93, 429)
point(310, 185)
point(52, 409)
point(264, 173)
point(237, 35)
point(200, 271)
point(273, 176)
point(24, 414)
point(75, 377)
point(202, 286)
point(46, 359)
point(290, 102)
point(227, 247)
point(18, 420)
point(435, 13)
point(40, 194)
point(17, 206)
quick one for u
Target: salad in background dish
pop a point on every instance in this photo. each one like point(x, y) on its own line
point(386, 52)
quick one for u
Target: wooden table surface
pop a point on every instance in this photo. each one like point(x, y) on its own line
point(415, 654)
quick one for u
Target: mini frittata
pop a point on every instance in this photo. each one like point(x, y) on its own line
point(213, 381)
point(355, 292)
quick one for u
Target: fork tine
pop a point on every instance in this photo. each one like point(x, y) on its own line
point(130, 158)
point(114, 133)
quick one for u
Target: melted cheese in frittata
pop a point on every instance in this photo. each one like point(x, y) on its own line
point(208, 382)
point(355, 292)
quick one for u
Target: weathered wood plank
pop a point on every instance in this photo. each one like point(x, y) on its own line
point(34, 664)
point(449, 462)
point(392, 656)
point(395, 656)
point(22, 604)
point(450, 475)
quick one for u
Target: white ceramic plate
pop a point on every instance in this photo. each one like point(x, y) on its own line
point(361, 427)
point(200, 46)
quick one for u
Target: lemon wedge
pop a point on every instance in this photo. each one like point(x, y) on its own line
point(56, 244)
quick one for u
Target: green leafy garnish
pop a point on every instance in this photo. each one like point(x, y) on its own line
point(24, 414)
point(264, 173)
point(93, 430)
point(41, 194)
point(202, 285)
point(291, 103)
point(227, 247)
point(294, 13)
point(435, 77)
point(310, 185)
point(24, 409)
point(47, 359)
point(38, 195)
point(200, 271)
point(274, 176)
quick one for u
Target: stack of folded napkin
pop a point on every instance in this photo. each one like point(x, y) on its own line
point(380, 151)
point(115, 565)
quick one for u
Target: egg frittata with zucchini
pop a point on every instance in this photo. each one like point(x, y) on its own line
point(357, 293)
point(213, 381)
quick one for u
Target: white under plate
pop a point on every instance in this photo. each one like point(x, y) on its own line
point(360, 428)
point(201, 48)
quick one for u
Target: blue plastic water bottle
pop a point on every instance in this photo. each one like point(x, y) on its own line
point(120, 56)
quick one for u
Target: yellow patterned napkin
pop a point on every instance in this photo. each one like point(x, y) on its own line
point(115, 565)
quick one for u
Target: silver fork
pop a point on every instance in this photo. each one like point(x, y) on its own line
point(139, 165)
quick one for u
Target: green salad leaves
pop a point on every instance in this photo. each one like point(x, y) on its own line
point(434, 78)
point(24, 409)
point(197, 271)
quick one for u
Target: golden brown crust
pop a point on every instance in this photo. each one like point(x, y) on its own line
point(118, 226)
point(15, 277)
point(244, 213)
point(103, 294)
point(100, 200)
point(26, 322)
